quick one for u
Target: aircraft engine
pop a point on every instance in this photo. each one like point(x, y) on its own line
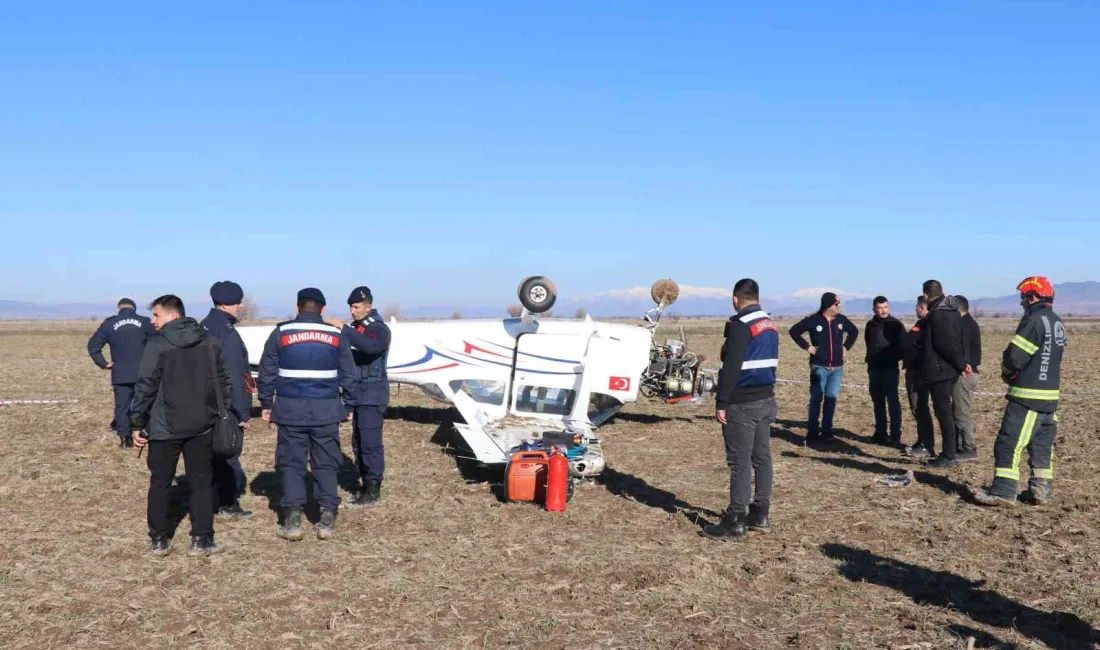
point(674, 374)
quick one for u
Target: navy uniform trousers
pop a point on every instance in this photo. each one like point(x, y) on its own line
point(321, 444)
point(1023, 429)
point(124, 395)
point(367, 442)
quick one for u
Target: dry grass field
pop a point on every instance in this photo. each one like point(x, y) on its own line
point(444, 564)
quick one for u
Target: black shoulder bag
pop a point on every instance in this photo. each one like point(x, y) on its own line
point(226, 437)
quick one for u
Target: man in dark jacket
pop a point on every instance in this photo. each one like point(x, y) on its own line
point(883, 335)
point(915, 389)
point(370, 347)
point(968, 384)
point(125, 333)
point(305, 365)
point(746, 408)
point(831, 333)
point(942, 362)
point(229, 477)
point(175, 408)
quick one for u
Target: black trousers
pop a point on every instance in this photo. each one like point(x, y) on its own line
point(918, 406)
point(883, 385)
point(229, 481)
point(124, 394)
point(197, 460)
point(747, 435)
point(1022, 428)
point(943, 403)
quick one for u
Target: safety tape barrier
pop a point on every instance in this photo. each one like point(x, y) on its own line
point(19, 402)
point(902, 389)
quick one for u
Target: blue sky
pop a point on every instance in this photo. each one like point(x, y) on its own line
point(434, 149)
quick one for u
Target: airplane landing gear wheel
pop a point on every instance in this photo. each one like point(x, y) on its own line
point(537, 294)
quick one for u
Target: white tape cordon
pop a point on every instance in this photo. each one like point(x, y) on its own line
point(19, 402)
point(902, 389)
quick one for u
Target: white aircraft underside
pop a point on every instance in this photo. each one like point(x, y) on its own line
point(513, 380)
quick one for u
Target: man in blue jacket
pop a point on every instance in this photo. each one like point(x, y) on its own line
point(229, 477)
point(370, 346)
point(831, 334)
point(125, 333)
point(305, 365)
point(746, 408)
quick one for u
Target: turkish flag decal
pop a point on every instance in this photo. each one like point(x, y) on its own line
point(618, 383)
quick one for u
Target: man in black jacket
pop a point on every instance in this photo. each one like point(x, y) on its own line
point(175, 408)
point(883, 335)
point(831, 333)
point(942, 362)
point(229, 477)
point(915, 389)
point(968, 384)
point(125, 333)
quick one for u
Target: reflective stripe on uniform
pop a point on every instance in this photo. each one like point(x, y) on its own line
point(1047, 474)
point(1040, 394)
point(1023, 441)
point(1024, 344)
point(308, 374)
point(1004, 472)
point(753, 316)
point(310, 326)
point(760, 363)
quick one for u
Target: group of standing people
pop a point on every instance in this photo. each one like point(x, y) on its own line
point(170, 372)
point(941, 355)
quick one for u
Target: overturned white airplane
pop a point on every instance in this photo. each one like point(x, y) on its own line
point(518, 380)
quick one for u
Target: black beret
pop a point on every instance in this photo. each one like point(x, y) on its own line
point(360, 294)
point(309, 293)
point(226, 293)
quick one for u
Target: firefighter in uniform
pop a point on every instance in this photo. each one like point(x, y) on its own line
point(305, 365)
point(1032, 368)
point(746, 408)
point(125, 333)
point(370, 346)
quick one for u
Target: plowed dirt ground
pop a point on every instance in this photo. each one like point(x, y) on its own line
point(444, 564)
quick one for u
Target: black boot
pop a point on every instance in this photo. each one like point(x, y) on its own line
point(1040, 490)
point(732, 526)
point(291, 530)
point(203, 545)
point(758, 518)
point(326, 527)
point(369, 496)
point(234, 511)
point(160, 545)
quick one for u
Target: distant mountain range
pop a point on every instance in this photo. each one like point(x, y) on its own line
point(1073, 298)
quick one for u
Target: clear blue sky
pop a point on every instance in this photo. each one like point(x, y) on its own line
point(435, 149)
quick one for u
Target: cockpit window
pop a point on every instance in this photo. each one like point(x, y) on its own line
point(541, 399)
point(482, 392)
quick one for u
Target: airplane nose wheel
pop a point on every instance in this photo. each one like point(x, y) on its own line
point(537, 294)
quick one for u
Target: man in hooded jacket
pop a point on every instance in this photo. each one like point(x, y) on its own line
point(942, 363)
point(175, 408)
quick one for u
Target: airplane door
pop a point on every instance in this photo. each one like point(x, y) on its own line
point(547, 374)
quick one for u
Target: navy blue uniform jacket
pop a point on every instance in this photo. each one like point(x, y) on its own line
point(312, 402)
point(220, 325)
point(370, 344)
point(125, 333)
